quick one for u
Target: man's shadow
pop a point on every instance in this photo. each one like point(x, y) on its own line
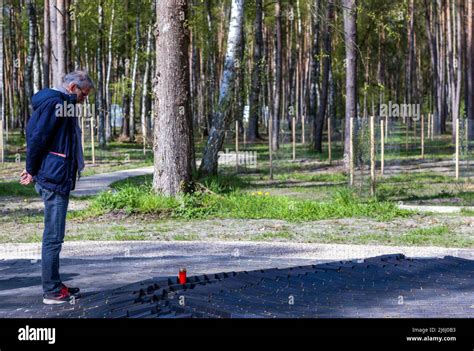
point(25, 282)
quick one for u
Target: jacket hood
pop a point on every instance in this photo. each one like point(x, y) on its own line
point(43, 95)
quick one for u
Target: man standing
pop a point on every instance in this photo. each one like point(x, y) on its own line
point(53, 160)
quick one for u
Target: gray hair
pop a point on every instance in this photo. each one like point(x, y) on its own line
point(80, 78)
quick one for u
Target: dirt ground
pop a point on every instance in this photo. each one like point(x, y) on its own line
point(21, 221)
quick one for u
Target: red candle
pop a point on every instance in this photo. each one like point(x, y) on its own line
point(182, 276)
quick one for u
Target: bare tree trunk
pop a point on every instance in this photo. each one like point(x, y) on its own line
point(53, 31)
point(2, 85)
point(410, 56)
point(173, 125)
point(126, 95)
point(315, 63)
point(470, 67)
point(277, 85)
point(108, 94)
point(17, 103)
point(350, 39)
point(440, 123)
point(62, 40)
point(134, 83)
point(319, 122)
point(145, 113)
point(75, 49)
point(46, 45)
point(221, 117)
point(432, 30)
point(30, 59)
point(69, 37)
point(256, 74)
point(455, 60)
point(37, 63)
point(100, 79)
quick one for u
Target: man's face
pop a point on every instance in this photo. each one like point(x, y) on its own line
point(81, 93)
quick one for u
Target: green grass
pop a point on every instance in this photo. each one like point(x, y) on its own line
point(185, 237)
point(16, 189)
point(338, 177)
point(437, 235)
point(467, 212)
point(95, 236)
point(227, 202)
point(270, 236)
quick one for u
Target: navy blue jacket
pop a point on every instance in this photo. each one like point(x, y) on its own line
point(51, 142)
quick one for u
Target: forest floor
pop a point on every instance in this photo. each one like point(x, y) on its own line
point(308, 180)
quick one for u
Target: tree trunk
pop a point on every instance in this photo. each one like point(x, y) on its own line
point(350, 39)
point(314, 73)
point(2, 85)
point(46, 45)
point(319, 122)
point(126, 94)
point(221, 120)
point(432, 30)
point(108, 93)
point(62, 41)
point(30, 59)
point(470, 67)
point(254, 110)
point(409, 90)
point(277, 85)
point(173, 124)
point(145, 113)
point(53, 31)
point(134, 83)
point(100, 79)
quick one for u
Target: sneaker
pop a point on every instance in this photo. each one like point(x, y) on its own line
point(56, 298)
point(73, 291)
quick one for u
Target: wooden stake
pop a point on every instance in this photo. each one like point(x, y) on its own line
point(466, 128)
point(82, 128)
point(414, 129)
point(144, 136)
point(302, 130)
point(422, 137)
point(2, 155)
point(429, 125)
point(237, 146)
point(351, 151)
point(372, 155)
point(382, 147)
point(293, 124)
point(329, 141)
point(406, 134)
point(432, 127)
point(457, 148)
point(92, 139)
point(270, 152)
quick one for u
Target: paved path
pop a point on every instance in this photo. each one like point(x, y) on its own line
point(97, 267)
point(436, 209)
point(379, 287)
point(94, 184)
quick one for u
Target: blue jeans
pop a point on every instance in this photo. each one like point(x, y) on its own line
point(55, 209)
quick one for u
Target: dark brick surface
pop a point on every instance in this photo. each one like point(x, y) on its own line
point(385, 286)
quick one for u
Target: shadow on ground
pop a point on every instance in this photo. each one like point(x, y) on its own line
point(379, 287)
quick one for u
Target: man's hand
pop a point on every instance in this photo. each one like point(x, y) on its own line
point(25, 178)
